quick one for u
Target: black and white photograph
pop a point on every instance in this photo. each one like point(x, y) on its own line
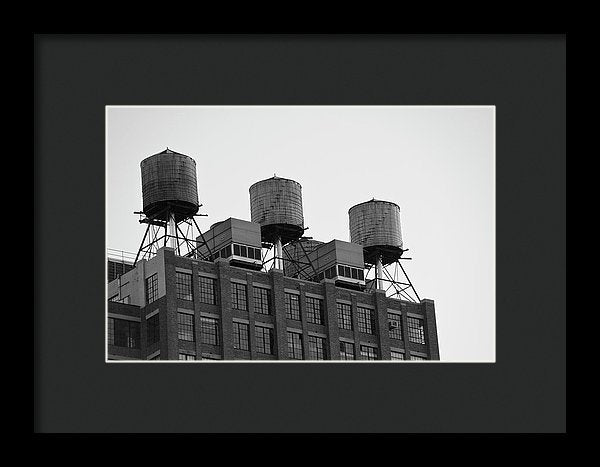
point(294, 233)
point(331, 234)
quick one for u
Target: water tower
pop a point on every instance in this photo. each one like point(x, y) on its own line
point(276, 204)
point(375, 225)
point(170, 202)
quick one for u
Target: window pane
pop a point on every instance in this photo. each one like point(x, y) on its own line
point(368, 352)
point(236, 250)
point(292, 306)
point(314, 310)
point(239, 299)
point(153, 329)
point(185, 331)
point(340, 270)
point(344, 316)
point(417, 357)
point(346, 351)
point(316, 348)
point(416, 332)
point(264, 340)
point(151, 288)
point(294, 345)
point(395, 325)
point(262, 300)
point(111, 331)
point(207, 290)
point(240, 336)
point(210, 331)
point(184, 286)
point(365, 320)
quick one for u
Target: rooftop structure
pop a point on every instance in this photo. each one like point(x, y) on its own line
point(213, 295)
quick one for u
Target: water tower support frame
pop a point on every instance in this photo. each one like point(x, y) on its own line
point(400, 284)
point(303, 266)
point(173, 235)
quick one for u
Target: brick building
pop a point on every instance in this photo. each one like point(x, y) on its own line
point(172, 307)
point(220, 300)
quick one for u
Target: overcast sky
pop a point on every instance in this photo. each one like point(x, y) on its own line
point(436, 163)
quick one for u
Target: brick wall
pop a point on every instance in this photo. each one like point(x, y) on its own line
point(168, 306)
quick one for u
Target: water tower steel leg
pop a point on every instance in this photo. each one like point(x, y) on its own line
point(379, 273)
point(278, 254)
point(204, 240)
point(142, 244)
point(409, 282)
point(172, 231)
point(306, 256)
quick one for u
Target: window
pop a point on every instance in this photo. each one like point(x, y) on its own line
point(185, 330)
point(207, 290)
point(292, 306)
point(294, 345)
point(151, 288)
point(238, 296)
point(211, 357)
point(210, 330)
point(236, 250)
point(124, 333)
point(397, 355)
point(415, 330)
point(183, 281)
point(153, 331)
point(346, 351)
point(316, 348)
point(395, 325)
point(346, 271)
point(264, 340)
point(111, 331)
point(186, 356)
point(369, 353)
point(365, 320)
point(314, 310)
point(262, 300)
point(243, 251)
point(240, 336)
point(344, 311)
point(417, 357)
point(226, 252)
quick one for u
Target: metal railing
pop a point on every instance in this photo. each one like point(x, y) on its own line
point(120, 256)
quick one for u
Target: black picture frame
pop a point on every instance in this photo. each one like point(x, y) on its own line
point(76, 76)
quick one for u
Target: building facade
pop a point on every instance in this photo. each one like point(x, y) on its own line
point(173, 307)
